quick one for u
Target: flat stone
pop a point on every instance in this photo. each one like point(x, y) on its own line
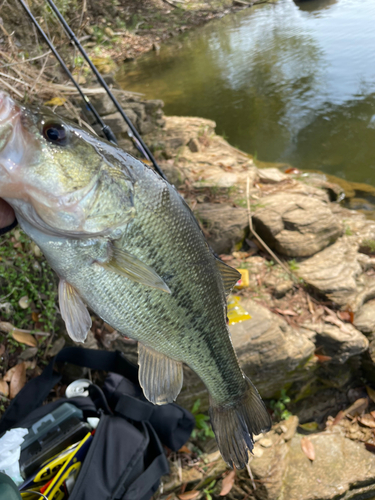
point(341, 466)
point(224, 225)
point(364, 319)
point(296, 225)
point(333, 271)
point(273, 175)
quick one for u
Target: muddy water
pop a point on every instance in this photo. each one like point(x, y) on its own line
point(289, 82)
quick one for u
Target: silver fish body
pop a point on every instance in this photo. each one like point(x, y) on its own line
point(124, 243)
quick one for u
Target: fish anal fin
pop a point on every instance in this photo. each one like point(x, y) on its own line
point(229, 275)
point(133, 268)
point(74, 312)
point(159, 376)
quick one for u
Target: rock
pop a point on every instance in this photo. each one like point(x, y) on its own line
point(272, 175)
point(340, 343)
point(333, 271)
point(194, 145)
point(225, 225)
point(146, 127)
point(296, 225)
point(270, 352)
point(282, 288)
point(103, 104)
point(291, 425)
point(364, 319)
point(341, 469)
point(117, 123)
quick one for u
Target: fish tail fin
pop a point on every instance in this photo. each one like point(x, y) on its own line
point(235, 423)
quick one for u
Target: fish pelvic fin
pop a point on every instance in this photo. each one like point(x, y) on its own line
point(229, 275)
point(159, 376)
point(235, 423)
point(73, 312)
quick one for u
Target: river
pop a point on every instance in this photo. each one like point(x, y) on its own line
point(287, 82)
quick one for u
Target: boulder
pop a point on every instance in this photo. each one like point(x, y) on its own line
point(342, 469)
point(224, 225)
point(333, 271)
point(364, 319)
point(270, 352)
point(296, 225)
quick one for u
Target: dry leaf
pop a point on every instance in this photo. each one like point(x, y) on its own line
point(4, 388)
point(2, 349)
point(24, 338)
point(184, 449)
point(339, 416)
point(358, 407)
point(9, 374)
point(322, 358)
point(35, 316)
point(24, 302)
point(286, 312)
point(55, 101)
point(308, 448)
point(370, 393)
point(228, 483)
point(370, 447)
point(367, 420)
point(18, 380)
point(6, 327)
point(189, 495)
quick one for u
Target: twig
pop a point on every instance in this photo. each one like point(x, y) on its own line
point(14, 79)
point(25, 60)
point(11, 88)
point(39, 76)
point(273, 255)
point(251, 476)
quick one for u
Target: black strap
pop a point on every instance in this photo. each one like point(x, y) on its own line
point(133, 408)
point(36, 391)
point(143, 484)
point(4, 230)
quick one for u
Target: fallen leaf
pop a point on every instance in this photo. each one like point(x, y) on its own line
point(4, 388)
point(286, 312)
point(2, 349)
point(367, 420)
point(9, 374)
point(370, 447)
point(56, 346)
point(228, 483)
point(24, 302)
point(344, 315)
point(55, 101)
point(322, 359)
point(189, 495)
point(184, 449)
point(35, 316)
point(308, 448)
point(370, 393)
point(372, 413)
point(339, 416)
point(6, 327)
point(357, 407)
point(309, 426)
point(24, 338)
point(18, 380)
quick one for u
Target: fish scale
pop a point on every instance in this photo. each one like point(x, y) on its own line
point(125, 244)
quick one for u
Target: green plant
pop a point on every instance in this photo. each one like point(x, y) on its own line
point(203, 429)
point(269, 264)
point(369, 244)
point(293, 265)
point(278, 406)
point(210, 489)
point(348, 231)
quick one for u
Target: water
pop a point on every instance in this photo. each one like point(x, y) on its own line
point(287, 82)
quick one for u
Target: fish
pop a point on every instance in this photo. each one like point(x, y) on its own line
point(126, 245)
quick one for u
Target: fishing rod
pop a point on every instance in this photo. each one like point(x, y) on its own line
point(105, 128)
point(133, 133)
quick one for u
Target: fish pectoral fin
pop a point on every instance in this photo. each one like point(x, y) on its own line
point(229, 275)
point(74, 312)
point(159, 376)
point(128, 265)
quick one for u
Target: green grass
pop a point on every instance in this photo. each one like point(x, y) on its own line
point(25, 272)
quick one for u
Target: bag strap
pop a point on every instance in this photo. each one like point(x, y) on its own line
point(36, 390)
point(134, 409)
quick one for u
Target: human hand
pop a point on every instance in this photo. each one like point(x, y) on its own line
point(7, 217)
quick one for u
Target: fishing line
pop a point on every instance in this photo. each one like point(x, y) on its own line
point(105, 128)
point(133, 131)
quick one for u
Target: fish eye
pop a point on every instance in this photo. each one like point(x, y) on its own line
point(55, 133)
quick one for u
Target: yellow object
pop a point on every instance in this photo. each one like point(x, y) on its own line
point(55, 101)
point(236, 313)
point(243, 282)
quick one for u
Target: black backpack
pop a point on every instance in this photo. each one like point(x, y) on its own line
point(126, 458)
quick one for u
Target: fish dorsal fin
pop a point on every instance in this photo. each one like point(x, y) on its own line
point(159, 376)
point(229, 275)
point(128, 265)
point(74, 312)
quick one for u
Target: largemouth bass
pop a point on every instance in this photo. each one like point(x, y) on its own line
point(125, 244)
